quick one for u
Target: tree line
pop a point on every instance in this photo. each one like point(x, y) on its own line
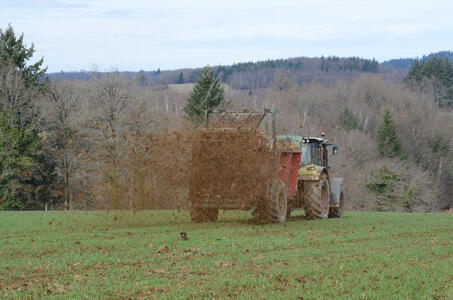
point(435, 76)
point(406, 63)
point(249, 75)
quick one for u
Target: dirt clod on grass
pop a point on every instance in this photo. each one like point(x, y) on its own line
point(184, 236)
point(163, 250)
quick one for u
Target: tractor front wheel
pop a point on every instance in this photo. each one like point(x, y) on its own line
point(317, 198)
point(200, 215)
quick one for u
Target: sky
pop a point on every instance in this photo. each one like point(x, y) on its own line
point(132, 35)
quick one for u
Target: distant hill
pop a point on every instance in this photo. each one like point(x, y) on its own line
point(252, 75)
point(406, 63)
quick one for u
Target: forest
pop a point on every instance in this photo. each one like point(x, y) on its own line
point(121, 140)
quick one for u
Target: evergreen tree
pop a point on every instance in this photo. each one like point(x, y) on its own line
point(180, 79)
point(389, 141)
point(26, 170)
point(13, 50)
point(414, 75)
point(438, 72)
point(25, 173)
point(206, 94)
point(348, 119)
point(140, 78)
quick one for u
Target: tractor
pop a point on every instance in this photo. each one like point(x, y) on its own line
point(239, 162)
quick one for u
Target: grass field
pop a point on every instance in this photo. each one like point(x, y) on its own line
point(187, 87)
point(367, 255)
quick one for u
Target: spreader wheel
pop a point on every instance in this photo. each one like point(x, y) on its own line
point(275, 208)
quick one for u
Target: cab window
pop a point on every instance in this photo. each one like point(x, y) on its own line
point(314, 151)
point(310, 154)
point(306, 154)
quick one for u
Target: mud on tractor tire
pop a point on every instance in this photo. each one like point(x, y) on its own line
point(200, 215)
point(275, 208)
point(317, 198)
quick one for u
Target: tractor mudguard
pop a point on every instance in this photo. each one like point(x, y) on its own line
point(336, 187)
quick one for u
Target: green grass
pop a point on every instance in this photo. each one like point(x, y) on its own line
point(367, 255)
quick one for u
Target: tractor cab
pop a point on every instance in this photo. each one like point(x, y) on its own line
point(314, 151)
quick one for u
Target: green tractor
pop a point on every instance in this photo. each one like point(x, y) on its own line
point(320, 195)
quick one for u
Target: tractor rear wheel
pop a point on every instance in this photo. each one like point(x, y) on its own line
point(275, 208)
point(200, 215)
point(317, 198)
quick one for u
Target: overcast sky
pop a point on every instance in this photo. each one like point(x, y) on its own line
point(130, 35)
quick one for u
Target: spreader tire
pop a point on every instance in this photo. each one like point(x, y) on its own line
point(275, 208)
point(317, 198)
point(200, 215)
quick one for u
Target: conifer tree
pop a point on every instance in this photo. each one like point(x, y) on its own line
point(26, 169)
point(13, 51)
point(206, 94)
point(348, 119)
point(439, 72)
point(389, 141)
point(180, 79)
